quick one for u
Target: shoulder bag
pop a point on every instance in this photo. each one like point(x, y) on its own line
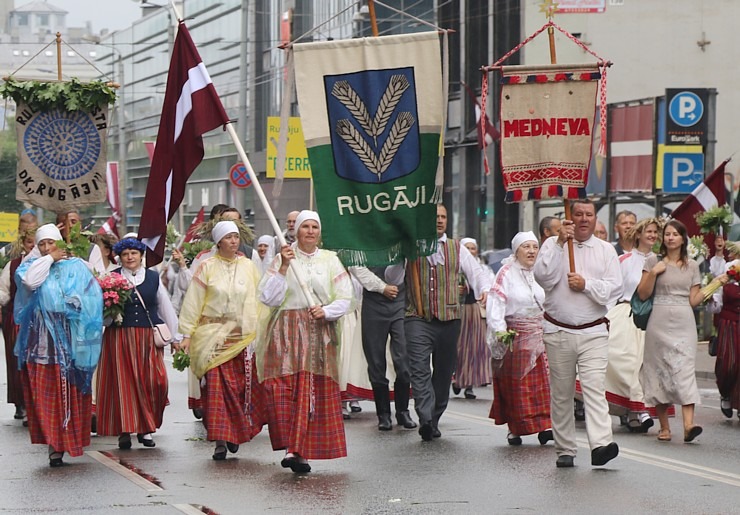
point(162, 334)
point(641, 309)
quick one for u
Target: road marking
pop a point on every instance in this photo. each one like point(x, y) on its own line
point(123, 471)
point(187, 508)
point(684, 467)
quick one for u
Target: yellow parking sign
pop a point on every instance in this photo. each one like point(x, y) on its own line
point(296, 158)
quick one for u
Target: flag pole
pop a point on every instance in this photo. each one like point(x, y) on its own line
point(268, 210)
point(550, 8)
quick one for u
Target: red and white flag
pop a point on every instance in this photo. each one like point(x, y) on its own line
point(709, 194)
point(199, 218)
point(110, 226)
point(191, 108)
point(149, 145)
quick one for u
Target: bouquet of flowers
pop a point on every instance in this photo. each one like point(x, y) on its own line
point(697, 248)
point(181, 360)
point(714, 219)
point(733, 275)
point(506, 337)
point(116, 291)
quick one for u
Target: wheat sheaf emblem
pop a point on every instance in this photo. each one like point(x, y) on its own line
point(372, 127)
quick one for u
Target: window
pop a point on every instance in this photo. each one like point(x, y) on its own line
point(22, 20)
point(43, 19)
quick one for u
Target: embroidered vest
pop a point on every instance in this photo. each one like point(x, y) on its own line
point(134, 314)
point(437, 287)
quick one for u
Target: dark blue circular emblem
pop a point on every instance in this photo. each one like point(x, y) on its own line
point(63, 145)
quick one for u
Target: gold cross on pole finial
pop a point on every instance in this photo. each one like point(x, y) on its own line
point(549, 7)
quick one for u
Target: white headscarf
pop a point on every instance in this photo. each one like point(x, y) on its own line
point(516, 242)
point(306, 215)
point(465, 241)
point(223, 228)
point(264, 263)
point(47, 232)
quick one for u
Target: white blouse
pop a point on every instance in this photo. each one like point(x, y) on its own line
point(515, 294)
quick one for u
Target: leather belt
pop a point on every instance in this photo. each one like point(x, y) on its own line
point(558, 323)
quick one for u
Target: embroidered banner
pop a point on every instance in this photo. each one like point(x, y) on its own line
point(61, 157)
point(547, 120)
point(371, 111)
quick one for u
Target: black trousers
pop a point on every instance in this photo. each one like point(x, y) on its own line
point(377, 324)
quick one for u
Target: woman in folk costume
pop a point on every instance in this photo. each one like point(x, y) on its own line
point(59, 308)
point(521, 388)
point(265, 252)
point(473, 356)
point(626, 341)
point(298, 353)
point(219, 322)
point(132, 377)
point(726, 304)
point(8, 289)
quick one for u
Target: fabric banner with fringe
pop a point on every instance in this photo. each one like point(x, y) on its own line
point(547, 121)
point(372, 112)
point(62, 157)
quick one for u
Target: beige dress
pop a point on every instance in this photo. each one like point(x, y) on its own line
point(668, 373)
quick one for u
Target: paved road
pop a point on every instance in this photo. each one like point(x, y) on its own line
point(470, 469)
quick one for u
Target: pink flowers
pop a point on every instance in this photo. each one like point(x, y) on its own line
point(116, 292)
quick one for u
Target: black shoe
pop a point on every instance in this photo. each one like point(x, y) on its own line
point(55, 459)
point(220, 453)
point(232, 447)
point(646, 425)
point(94, 424)
point(426, 430)
point(355, 407)
point(436, 433)
point(513, 439)
point(300, 466)
point(20, 412)
point(198, 413)
point(604, 454)
point(456, 389)
point(725, 408)
point(384, 422)
point(469, 394)
point(146, 442)
point(545, 436)
point(124, 441)
point(564, 461)
point(404, 419)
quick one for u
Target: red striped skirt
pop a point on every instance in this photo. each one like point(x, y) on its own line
point(231, 411)
point(521, 402)
point(15, 388)
point(317, 436)
point(132, 382)
point(42, 391)
point(727, 366)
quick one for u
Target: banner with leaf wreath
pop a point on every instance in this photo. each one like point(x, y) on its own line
point(372, 117)
point(62, 142)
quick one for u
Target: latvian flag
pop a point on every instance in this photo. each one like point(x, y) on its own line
point(191, 108)
point(709, 194)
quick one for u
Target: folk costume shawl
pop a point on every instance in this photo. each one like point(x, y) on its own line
point(61, 321)
point(220, 311)
point(329, 283)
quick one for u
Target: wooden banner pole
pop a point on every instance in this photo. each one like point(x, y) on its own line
point(59, 56)
point(373, 18)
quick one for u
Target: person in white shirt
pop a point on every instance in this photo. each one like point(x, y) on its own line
point(576, 330)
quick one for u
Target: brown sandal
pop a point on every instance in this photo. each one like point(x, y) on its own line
point(664, 435)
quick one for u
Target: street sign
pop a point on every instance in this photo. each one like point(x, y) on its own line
point(687, 117)
point(296, 154)
point(682, 172)
point(239, 177)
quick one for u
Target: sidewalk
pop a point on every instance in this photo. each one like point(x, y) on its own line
point(704, 363)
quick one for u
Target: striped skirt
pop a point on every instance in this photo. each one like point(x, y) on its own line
point(521, 402)
point(315, 436)
point(727, 366)
point(45, 406)
point(233, 409)
point(473, 356)
point(132, 382)
point(15, 388)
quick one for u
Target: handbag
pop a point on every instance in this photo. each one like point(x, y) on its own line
point(641, 310)
point(162, 333)
point(712, 346)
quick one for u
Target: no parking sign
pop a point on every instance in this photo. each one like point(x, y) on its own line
point(239, 177)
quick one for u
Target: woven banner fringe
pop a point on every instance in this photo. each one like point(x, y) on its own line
point(394, 254)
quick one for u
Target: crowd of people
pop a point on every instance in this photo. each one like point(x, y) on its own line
point(278, 336)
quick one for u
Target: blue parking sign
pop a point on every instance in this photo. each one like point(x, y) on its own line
point(686, 109)
point(682, 172)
